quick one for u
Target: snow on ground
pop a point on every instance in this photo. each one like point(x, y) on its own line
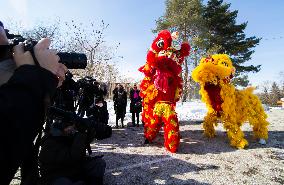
point(191, 111)
point(187, 111)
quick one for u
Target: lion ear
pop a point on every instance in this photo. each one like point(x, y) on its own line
point(185, 49)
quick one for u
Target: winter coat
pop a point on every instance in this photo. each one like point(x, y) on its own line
point(62, 156)
point(136, 103)
point(120, 102)
point(65, 95)
point(22, 105)
point(99, 112)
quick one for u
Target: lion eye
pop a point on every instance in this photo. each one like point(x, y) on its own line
point(225, 64)
point(160, 44)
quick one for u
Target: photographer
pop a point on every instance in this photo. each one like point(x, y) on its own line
point(99, 110)
point(24, 94)
point(63, 159)
point(65, 95)
point(88, 94)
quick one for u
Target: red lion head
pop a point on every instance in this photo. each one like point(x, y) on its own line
point(163, 55)
point(162, 41)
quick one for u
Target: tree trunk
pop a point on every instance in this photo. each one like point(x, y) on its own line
point(195, 85)
point(185, 84)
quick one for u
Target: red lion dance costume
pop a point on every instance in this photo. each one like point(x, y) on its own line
point(162, 86)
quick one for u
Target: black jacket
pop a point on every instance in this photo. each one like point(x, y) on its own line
point(135, 103)
point(62, 156)
point(100, 114)
point(65, 95)
point(120, 101)
point(22, 104)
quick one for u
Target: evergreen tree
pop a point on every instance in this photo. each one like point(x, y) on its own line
point(265, 97)
point(275, 93)
point(225, 36)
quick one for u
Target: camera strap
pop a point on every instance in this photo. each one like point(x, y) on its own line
point(33, 55)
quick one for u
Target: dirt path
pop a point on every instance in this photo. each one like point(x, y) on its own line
point(199, 160)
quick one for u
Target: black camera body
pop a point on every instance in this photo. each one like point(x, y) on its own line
point(87, 81)
point(93, 128)
point(70, 60)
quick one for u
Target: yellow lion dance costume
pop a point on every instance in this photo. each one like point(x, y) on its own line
point(224, 102)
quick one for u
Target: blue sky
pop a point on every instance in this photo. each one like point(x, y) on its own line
point(131, 22)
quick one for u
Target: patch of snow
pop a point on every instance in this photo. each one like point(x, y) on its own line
point(194, 110)
point(275, 108)
point(187, 111)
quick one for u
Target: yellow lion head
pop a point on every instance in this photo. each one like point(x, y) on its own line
point(215, 69)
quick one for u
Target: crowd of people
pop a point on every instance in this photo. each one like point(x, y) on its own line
point(63, 158)
point(38, 93)
point(24, 95)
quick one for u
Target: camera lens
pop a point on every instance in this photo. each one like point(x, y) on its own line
point(73, 60)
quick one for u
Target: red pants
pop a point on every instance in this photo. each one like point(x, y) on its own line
point(162, 112)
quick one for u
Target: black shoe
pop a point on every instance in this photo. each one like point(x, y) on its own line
point(146, 141)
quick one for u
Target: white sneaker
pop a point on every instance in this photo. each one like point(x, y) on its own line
point(262, 141)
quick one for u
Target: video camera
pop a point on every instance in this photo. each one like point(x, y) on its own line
point(94, 129)
point(70, 60)
point(87, 81)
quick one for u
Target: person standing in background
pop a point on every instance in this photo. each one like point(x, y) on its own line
point(135, 104)
point(120, 103)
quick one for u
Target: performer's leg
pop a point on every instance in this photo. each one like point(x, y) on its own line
point(259, 123)
point(171, 134)
point(151, 129)
point(209, 121)
point(260, 130)
point(235, 134)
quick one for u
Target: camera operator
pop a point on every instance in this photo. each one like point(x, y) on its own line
point(24, 94)
point(99, 109)
point(65, 95)
point(88, 94)
point(63, 159)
